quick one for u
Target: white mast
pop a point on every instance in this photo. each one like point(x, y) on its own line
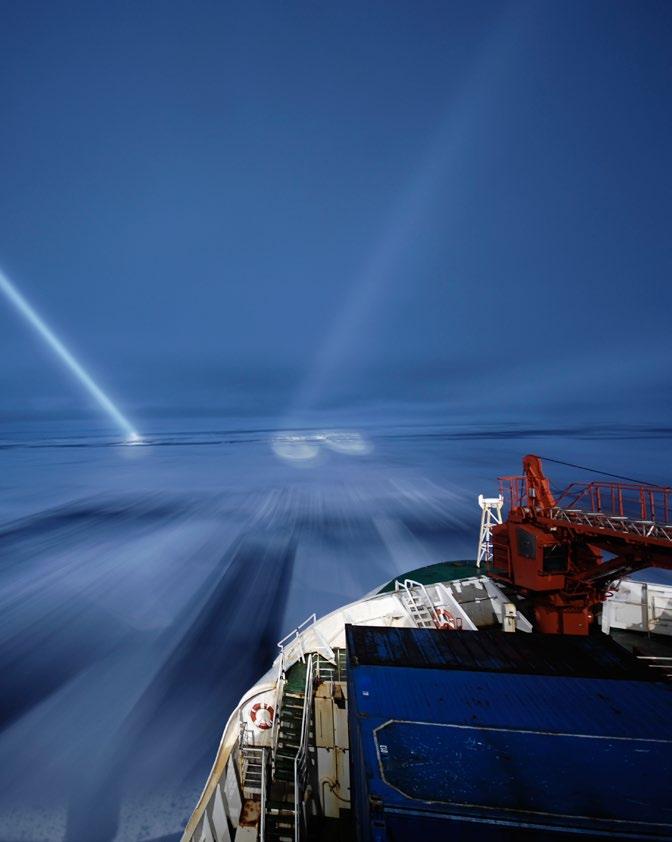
point(491, 516)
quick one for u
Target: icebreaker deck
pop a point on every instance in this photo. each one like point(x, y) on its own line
point(422, 728)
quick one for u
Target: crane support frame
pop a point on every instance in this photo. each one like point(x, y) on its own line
point(551, 547)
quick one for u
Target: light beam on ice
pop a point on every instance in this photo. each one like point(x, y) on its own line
point(36, 321)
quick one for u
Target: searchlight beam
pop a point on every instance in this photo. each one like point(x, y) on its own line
point(36, 321)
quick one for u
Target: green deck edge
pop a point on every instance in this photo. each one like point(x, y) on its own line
point(444, 571)
point(296, 678)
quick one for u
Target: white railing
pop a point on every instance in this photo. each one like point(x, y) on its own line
point(411, 583)
point(294, 637)
point(427, 612)
point(301, 761)
point(287, 646)
point(279, 687)
point(412, 606)
point(638, 606)
point(443, 609)
point(292, 649)
point(262, 818)
point(254, 756)
point(293, 645)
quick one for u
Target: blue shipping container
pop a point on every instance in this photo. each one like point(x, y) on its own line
point(441, 747)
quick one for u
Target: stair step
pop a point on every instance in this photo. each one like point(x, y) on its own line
point(279, 806)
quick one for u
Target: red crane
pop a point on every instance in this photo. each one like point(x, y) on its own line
point(564, 552)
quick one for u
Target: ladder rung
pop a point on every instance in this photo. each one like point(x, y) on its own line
point(654, 658)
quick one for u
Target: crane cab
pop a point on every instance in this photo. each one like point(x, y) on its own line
point(529, 557)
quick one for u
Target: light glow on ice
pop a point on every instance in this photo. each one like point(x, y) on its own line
point(304, 447)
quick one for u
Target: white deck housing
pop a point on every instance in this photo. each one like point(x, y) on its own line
point(639, 606)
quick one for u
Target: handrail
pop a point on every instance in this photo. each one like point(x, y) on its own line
point(617, 499)
point(406, 586)
point(262, 819)
point(400, 587)
point(323, 645)
point(423, 591)
point(279, 687)
point(301, 759)
point(282, 644)
point(458, 616)
point(646, 502)
point(614, 523)
point(295, 633)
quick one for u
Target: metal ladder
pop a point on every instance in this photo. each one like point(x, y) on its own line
point(416, 601)
point(280, 812)
point(252, 771)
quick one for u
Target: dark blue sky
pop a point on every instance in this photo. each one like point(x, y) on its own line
point(269, 207)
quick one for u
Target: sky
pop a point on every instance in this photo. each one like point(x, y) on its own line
point(383, 217)
point(458, 210)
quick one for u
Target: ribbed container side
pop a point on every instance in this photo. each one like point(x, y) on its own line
point(447, 748)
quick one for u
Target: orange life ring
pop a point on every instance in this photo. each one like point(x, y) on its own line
point(262, 715)
point(445, 620)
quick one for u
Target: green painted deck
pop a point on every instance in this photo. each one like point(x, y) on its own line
point(444, 571)
point(296, 678)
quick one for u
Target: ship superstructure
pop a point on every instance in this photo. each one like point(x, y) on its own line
point(284, 754)
point(285, 768)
